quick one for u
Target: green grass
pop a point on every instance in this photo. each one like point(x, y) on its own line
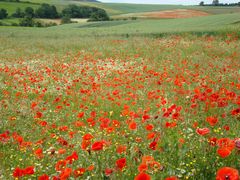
point(12, 6)
point(9, 21)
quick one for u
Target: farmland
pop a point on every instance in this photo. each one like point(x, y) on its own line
point(126, 99)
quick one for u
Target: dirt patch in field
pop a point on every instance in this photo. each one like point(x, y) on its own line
point(173, 14)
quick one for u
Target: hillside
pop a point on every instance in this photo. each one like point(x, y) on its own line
point(114, 9)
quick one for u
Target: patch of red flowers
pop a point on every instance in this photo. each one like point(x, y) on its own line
point(23, 172)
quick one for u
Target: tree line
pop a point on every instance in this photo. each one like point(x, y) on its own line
point(50, 12)
point(217, 3)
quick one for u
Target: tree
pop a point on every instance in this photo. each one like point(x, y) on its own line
point(215, 2)
point(29, 12)
point(99, 15)
point(201, 3)
point(95, 14)
point(3, 13)
point(47, 11)
point(18, 13)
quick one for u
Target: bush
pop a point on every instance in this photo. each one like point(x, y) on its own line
point(50, 24)
point(3, 13)
point(39, 24)
point(27, 22)
point(66, 20)
point(14, 24)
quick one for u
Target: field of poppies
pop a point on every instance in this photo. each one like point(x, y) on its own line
point(120, 108)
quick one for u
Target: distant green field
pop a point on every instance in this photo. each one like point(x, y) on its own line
point(12, 6)
point(198, 24)
point(214, 23)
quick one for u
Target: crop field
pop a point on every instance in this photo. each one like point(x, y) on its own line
point(145, 99)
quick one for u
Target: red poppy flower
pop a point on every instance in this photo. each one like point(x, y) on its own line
point(170, 124)
point(97, 146)
point(72, 157)
point(80, 115)
point(153, 145)
point(202, 131)
point(145, 117)
point(87, 137)
point(227, 173)
point(79, 172)
point(43, 177)
point(133, 125)
point(212, 141)
point(85, 144)
point(212, 120)
point(60, 165)
point(39, 152)
point(226, 142)
point(108, 171)
point(142, 176)
point(226, 146)
point(142, 167)
point(28, 170)
point(65, 174)
point(235, 111)
point(149, 127)
point(223, 152)
point(39, 115)
point(121, 163)
point(151, 135)
point(17, 172)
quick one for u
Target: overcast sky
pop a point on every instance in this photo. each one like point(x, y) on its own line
point(186, 2)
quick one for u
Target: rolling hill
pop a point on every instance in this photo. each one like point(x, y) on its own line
point(114, 9)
